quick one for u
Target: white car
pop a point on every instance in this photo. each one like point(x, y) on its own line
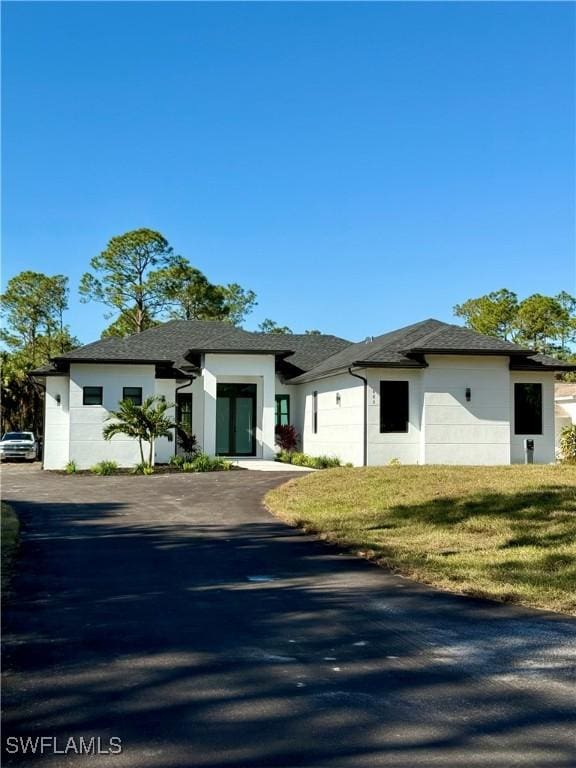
point(18, 445)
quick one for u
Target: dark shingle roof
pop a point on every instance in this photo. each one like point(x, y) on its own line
point(305, 356)
point(405, 348)
point(171, 343)
point(541, 362)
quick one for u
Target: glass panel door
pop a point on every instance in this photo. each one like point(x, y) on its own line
point(243, 426)
point(236, 419)
point(223, 426)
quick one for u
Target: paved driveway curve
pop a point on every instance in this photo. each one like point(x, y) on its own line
point(174, 613)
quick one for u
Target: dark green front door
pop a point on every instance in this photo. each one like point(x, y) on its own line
point(236, 419)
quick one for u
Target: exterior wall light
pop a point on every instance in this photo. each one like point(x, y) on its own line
point(58, 399)
point(468, 394)
point(338, 398)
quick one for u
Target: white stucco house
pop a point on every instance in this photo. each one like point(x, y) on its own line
point(429, 393)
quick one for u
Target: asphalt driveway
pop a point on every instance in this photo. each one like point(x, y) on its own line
point(173, 613)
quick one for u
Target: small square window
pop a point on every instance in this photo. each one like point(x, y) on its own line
point(92, 396)
point(132, 393)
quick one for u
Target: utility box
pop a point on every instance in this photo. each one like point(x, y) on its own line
point(528, 451)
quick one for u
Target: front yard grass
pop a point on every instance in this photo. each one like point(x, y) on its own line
point(506, 533)
point(9, 530)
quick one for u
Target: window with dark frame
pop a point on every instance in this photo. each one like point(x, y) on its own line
point(314, 412)
point(282, 410)
point(132, 393)
point(394, 406)
point(527, 409)
point(92, 395)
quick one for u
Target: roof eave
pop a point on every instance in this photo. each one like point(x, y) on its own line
point(467, 351)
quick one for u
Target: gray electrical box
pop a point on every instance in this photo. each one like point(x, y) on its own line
point(528, 451)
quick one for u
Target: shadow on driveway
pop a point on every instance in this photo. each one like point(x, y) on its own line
point(174, 613)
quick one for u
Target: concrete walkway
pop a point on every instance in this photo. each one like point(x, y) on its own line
point(172, 612)
point(268, 466)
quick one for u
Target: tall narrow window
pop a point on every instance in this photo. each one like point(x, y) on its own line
point(132, 393)
point(282, 410)
point(314, 412)
point(394, 408)
point(528, 409)
point(92, 396)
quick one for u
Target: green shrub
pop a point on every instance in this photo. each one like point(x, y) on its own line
point(177, 461)
point(104, 468)
point(143, 468)
point(394, 462)
point(303, 460)
point(568, 444)
point(204, 463)
point(326, 462)
point(284, 456)
point(71, 467)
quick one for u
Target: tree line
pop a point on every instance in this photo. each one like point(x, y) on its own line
point(141, 282)
point(544, 323)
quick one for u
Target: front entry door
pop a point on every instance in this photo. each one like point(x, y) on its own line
point(236, 419)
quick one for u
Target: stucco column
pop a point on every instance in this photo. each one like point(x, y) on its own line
point(209, 393)
point(268, 413)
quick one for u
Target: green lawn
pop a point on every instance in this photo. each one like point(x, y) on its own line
point(507, 533)
point(9, 528)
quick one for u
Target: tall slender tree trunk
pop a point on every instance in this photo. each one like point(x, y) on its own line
point(141, 449)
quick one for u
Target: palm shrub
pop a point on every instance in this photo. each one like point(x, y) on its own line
point(568, 444)
point(144, 423)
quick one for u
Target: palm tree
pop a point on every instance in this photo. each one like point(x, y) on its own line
point(144, 423)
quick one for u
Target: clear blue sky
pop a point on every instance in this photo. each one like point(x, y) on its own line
point(360, 166)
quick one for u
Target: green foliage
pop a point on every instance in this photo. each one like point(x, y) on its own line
point(304, 460)
point(394, 462)
point(144, 423)
point(71, 467)
point(493, 314)
point(544, 323)
point(139, 277)
point(238, 301)
point(189, 295)
point(200, 462)
point(104, 468)
point(33, 306)
point(143, 468)
point(271, 326)
point(568, 444)
point(181, 459)
point(204, 463)
point(124, 277)
point(541, 321)
point(124, 324)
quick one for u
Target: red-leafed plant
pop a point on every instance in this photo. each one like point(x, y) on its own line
point(286, 437)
